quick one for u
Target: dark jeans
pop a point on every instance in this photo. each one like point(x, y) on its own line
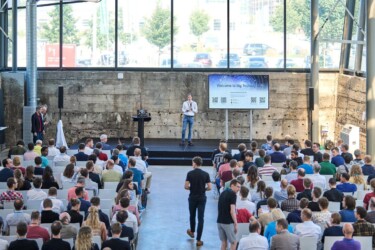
point(197, 203)
point(39, 136)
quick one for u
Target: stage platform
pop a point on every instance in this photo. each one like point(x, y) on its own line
point(168, 151)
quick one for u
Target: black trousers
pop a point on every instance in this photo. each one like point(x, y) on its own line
point(197, 204)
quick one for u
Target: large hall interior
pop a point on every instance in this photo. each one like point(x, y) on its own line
point(270, 95)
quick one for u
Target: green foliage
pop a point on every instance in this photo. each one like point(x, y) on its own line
point(198, 22)
point(157, 29)
point(298, 17)
point(51, 30)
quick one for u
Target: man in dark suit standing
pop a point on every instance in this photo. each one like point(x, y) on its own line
point(37, 126)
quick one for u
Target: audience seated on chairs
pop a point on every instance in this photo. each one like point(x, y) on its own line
point(81, 156)
point(270, 230)
point(368, 168)
point(62, 156)
point(254, 240)
point(348, 242)
point(306, 165)
point(7, 171)
point(80, 183)
point(48, 215)
point(259, 194)
point(249, 156)
point(98, 228)
point(92, 175)
point(296, 156)
point(30, 155)
point(370, 217)
point(123, 160)
point(362, 227)
point(337, 159)
point(306, 192)
point(318, 179)
point(244, 202)
point(95, 202)
point(291, 203)
point(75, 216)
point(347, 214)
point(48, 180)
point(84, 240)
point(267, 169)
point(17, 216)
point(236, 174)
point(333, 194)
point(368, 196)
point(89, 145)
point(277, 156)
point(295, 215)
point(34, 230)
point(346, 167)
point(267, 194)
point(356, 177)
point(282, 194)
point(38, 147)
point(289, 147)
point(284, 239)
point(19, 149)
point(307, 150)
point(102, 156)
point(10, 194)
point(38, 169)
point(52, 150)
point(328, 168)
point(84, 203)
point(69, 175)
point(125, 202)
point(298, 183)
point(45, 161)
point(128, 175)
point(314, 205)
point(21, 242)
point(252, 179)
point(318, 157)
point(259, 162)
point(89, 184)
point(226, 176)
point(137, 175)
point(116, 242)
point(57, 204)
point(56, 242)
point(109, 174)
point(136, 143)
point(293, 175)
point(29, 175)
point(266, 217)
point(22, 184)
point(345, 185)
point(276, 177)
point(121, 217)
point(68, 231)
point(334, 228)
point(98, 166)
point(358, 157)
point(345, 151)
point(17, 165)
point(307, 228)
point(132, 208)
point(323, 215)
point(117, 166)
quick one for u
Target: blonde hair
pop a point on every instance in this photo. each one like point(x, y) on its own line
point(93, 220)
point(16, 161)
point(356, 174)
point(277, 214)
point(83, 240)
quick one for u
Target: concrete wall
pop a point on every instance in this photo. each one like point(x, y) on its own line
point(351, 105)
point(98, 102)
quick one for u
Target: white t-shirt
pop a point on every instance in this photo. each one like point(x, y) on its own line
point(131, 221)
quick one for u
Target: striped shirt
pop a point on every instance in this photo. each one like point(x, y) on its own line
point(267, 170)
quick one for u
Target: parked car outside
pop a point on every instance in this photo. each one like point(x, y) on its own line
point(204, 59)
point(256, 49)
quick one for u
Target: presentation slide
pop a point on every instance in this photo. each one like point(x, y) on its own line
point(238, 91)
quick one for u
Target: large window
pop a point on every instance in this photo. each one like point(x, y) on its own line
point(201, 40)
point(144, 33)
point(263, 34)
point(89, 34)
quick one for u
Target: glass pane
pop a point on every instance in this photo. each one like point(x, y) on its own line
point(255, 39)
point(48, 36)
point(298, 33)
point(89, 34)
point(201, 40)
point(21, 38)
point(144, 33)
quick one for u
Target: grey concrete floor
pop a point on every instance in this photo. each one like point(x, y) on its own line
point(166, 219)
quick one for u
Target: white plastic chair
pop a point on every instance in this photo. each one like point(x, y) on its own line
point(111, 185)
point(33, 204)
point(243, 230)
point(333, 206)
point(308, 243)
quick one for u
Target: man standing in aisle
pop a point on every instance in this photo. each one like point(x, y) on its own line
point(189, 108)
point(198, 182)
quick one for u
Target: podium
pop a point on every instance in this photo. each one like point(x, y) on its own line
point(141, 118)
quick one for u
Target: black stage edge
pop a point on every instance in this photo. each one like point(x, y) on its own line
point(168, 151)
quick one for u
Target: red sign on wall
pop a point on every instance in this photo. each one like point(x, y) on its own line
point(53, 55)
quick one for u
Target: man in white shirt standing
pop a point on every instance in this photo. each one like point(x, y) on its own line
point(254, 240)
point(189, 108)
